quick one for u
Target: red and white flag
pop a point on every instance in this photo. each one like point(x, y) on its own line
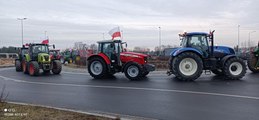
point(115, 32)
point(45, 41)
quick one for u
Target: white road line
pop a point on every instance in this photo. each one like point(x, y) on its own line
point(79, 73)
point(135, 88)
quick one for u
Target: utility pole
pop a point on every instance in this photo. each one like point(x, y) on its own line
point(103, 36)
point(249, 34)
point(21, 19)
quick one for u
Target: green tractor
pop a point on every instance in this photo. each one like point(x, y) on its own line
point(38, 58)
point(253, 60)
point(69, 56)
point(18, 62)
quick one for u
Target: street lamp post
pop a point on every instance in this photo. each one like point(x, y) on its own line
point(249, 34)
point(21, 19)
point(159, 40)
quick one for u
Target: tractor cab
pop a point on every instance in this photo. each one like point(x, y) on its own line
point(112, 49)
point(196, 40)
point(38, 49)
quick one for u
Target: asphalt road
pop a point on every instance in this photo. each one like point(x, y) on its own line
point(158, 96)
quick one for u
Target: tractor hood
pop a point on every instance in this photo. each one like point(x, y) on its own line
point(133, 54)
point(44, 57)
point(224, 50)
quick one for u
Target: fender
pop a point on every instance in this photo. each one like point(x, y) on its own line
point(224, 59)
point(27, 57)
point(181, 50)
point(103, 56)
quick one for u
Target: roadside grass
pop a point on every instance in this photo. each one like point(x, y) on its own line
point(4, 61)
point(11, 111)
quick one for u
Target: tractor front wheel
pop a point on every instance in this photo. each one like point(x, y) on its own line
point(34, 68)
point(97, 68)
point(18, 65)
point(251, 63)
point(133, 71)
point(56, 67)
point(234, 68)
point(187, 66)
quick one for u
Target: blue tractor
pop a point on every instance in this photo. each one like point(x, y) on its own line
point(198, 53)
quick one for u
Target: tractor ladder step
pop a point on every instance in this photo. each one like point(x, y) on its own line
point(207, 72)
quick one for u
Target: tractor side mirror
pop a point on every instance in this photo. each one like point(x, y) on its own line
point(54, 46)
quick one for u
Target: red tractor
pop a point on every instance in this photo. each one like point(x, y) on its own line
point(112, 58)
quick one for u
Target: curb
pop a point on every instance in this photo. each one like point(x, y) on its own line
point(5, 66)
point(94, 113)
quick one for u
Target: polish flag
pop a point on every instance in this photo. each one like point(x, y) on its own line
point(45, 41)
point(115, 32)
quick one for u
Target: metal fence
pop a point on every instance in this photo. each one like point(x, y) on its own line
point(8, 55)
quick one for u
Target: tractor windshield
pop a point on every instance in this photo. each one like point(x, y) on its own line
point(40, 49)
point(196, 41)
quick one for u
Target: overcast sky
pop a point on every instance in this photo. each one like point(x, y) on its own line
point(68, 21)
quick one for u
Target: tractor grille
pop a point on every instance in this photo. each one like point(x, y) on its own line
point(46, 58)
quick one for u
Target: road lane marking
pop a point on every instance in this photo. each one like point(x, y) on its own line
point(134, 88)
point(79, 73)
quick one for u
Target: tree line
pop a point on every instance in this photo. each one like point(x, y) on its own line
point(9, 49)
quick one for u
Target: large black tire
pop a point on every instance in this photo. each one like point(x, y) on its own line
point(234, 68)
point(56, 67)
point(251, 63)
point(18, 65)
point(194, 66)
point(34, 68)
point(218, 72)
point(25, 67)
point(133, 71)
point(97, 68)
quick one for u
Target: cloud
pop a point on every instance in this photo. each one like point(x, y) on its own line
point(69, 21)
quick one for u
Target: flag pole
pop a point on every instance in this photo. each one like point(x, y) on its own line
point(121, 35)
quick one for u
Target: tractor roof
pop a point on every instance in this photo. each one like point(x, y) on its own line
point(109, 41)
point(193, 33)
point(32, 44)
point(197, 33)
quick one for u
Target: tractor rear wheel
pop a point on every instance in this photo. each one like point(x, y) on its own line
point(187, 66)
point(234, 68)
point(251, 63)
point(133, 71)
point(97, 68)
point(56, 67)
point(18, 65)
point(25, 67)
point(34, 68)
